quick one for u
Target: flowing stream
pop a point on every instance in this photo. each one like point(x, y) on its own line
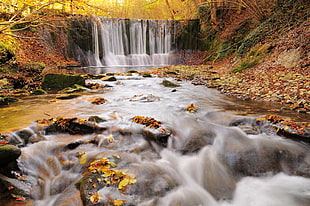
point(206, 162)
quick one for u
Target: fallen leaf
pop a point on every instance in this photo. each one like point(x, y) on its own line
point(119, 202)
point(95, 198)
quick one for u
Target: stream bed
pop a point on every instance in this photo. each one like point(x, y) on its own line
point(204, 160)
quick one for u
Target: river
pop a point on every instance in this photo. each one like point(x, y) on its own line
point(231, 166)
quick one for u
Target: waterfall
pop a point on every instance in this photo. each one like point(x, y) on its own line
point(131, 42)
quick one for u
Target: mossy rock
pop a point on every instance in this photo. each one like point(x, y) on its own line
point(38, 92)
point(96, 119)
point(7, 100)
point(34, 66)
point(168, 83)
point(132, 71)
point(146, 75)
point(8, 153)
point(75, 88)
point(86, 188)
point(60, 81)
point(69, 96)
point(109, 78)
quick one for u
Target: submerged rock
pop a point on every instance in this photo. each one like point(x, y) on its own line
point(197, 140)
point(68, 96)
point(60, 81)
point(144, 98)
point(168, 83)
point(7, 100)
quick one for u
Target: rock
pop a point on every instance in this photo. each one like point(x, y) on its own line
point(197, 140)
point(167, 83)
point(72, 126)
point(75, 88)
point(69, 197)
point(60, 81)
point(132, 71)
point(159, 136)
point(109, 78)
point(98, 100)
point(8, 153)
point(69, 96)
point(38, 92)
point(96, 119)
point(7, 100)
point(144, 98)
point(146, 75)
point(22, 137)
point(256, 157)
point(11, 187)
point(85, 186)
point(290, 58)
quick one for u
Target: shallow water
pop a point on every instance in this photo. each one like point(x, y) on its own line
point(231, 170)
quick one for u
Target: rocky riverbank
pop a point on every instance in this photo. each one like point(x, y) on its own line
point(289, 87)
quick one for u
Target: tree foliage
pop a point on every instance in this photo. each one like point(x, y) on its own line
point(16, 15)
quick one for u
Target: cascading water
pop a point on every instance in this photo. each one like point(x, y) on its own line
point(131, 42)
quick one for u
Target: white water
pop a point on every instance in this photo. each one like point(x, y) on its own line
point(132, 42)
point(210, 177)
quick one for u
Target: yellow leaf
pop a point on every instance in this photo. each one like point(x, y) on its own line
point(95, 198)
point(119, 202)
point(83, 158)
point(123, 183)
point(108, 173)
point(116, 156)
point(113, 164)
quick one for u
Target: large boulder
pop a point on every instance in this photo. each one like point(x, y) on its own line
point(60, 81)
point(8, 153)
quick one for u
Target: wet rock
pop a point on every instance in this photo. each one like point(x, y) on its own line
point(8, 153)
point(69, 96)
point(98, 100)
point(25, 135)
point(75, 88)
point(96, 119)
point(69, 197)
point(11, 187)
point(86, 188)
point(146, 75)
point(168, 83)
point(144, 98)
point(197, 140)
point(60, 81)
point(132, 71)
point(256, 157)
point(159, 136)
point(72, 126)
point(248, 125)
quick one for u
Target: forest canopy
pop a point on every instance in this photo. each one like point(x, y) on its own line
point(17, 15)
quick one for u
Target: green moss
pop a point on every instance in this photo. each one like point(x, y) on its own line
point(60, 81)
point(253, 57)
point(34, 65)
point(7, 100)
point(38, 92)
point(146, 75)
